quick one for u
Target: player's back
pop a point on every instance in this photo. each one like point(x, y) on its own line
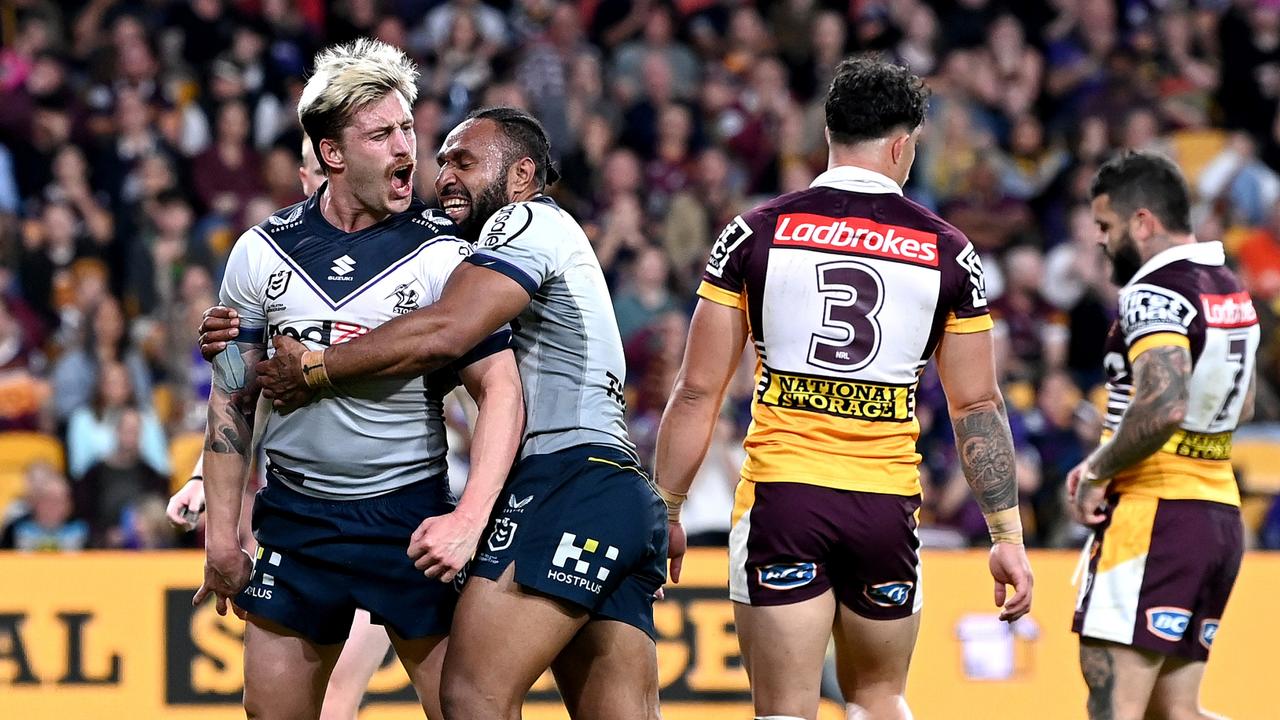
point(1187, 297)
point(848, 287)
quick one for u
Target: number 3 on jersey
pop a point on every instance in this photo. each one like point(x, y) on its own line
point(853, 293)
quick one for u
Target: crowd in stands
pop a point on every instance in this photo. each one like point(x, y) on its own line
point(138, 138)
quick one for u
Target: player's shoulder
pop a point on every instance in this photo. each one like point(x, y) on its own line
point(534, 220)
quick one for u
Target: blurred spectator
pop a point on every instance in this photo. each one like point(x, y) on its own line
point(116, 482)
point(1259, 254)
point(990, 218)
point(1055, 432)
point(439, 24)
point(105, 342)
point(92, 429)
point(49, 525)
point(704, 517)
point(643, 294)
point(1036, 330)
point(658, 38)
point(228, 174)
point(165, 249)
point(23, 394)
point(1236, 178)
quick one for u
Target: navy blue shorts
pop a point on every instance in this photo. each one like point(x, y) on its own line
point(584, 525)
point(318, 560)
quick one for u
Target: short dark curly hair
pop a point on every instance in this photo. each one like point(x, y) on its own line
point(525, 138)
point(869, 98)
point(1135, 181)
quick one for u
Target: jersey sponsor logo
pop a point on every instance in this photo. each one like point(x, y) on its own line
point(857, 235)
point(342, 268)
point(518, 504)
point(504, 531)
point(278, 283)
point(1168, 623)
point(1200, 446)
point(841, 398)
point(786, 576)
point(1208, 631)
point(502, 228)
point(889, 594)
point(1229, 311)
point(576, 561)
point(972, 264)
point(280, 221)
point(328, 332)
point(1150, 308)
point(730, 238)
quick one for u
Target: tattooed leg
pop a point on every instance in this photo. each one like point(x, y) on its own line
point(1120, 679)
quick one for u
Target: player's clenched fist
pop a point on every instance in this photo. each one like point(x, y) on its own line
point(443, 544)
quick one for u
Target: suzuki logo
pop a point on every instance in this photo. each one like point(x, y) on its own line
point(343, 265)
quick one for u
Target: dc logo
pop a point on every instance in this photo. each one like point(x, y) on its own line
point(890, 594)
point(1168, 623)
point(786, 576)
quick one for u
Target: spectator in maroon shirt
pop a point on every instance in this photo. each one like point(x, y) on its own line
point(228, 174)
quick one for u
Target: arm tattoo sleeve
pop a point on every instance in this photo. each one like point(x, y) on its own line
point(1160, 388)
point(232, 399)
point(985, 447)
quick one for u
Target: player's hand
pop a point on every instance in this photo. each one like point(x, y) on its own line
point(226, 574)
point(1009, 566)
point(442, 545)
point(281, 375)
point(220, 326)
point(1086, 501)
point(186, 505)
point(677, 543)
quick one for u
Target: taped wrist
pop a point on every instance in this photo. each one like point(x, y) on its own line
point(314, 373)
point(673, 500)
point(1005, 526)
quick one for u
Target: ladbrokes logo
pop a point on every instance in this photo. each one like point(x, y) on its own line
point(842, 398)
point(327, 332)
point(1229, 311)
point(859, 236)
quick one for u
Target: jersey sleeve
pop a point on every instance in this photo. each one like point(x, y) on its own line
point(1152, 316)
point(964, 290)
point(724, 280)
point(521, 242)
point(243, 287)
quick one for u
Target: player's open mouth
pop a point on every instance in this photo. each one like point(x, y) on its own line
point(402, 180)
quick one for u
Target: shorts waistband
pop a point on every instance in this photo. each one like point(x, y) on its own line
point(290, 482)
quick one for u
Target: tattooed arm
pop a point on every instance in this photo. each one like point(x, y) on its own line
point(1161, 377)
point(228, 448)
point(967, 368)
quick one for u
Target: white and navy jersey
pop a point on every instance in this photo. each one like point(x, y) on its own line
point(566, 340)
point(297, 275)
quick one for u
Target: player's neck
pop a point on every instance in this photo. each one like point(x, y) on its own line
point(862, 161)
point(1163, 241)
point(345, 212)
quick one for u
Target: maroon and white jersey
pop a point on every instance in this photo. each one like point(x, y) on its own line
point(848, 287)
point(1186, 296)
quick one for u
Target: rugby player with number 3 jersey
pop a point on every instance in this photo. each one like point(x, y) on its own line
point(846, 290)
point(1160, 491)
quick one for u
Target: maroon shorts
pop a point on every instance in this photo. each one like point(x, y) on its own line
point(791, 542)
point(1160, 574)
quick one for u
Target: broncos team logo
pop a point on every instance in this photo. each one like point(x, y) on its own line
point(406, 299)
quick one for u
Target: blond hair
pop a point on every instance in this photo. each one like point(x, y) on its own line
point(348, 77)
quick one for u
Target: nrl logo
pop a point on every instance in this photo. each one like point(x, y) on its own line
point(278, 283)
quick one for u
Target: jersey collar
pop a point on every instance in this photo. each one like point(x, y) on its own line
point(1201, 253)
point(856, 179)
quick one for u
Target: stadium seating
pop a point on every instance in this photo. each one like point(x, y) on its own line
point(183, 452)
